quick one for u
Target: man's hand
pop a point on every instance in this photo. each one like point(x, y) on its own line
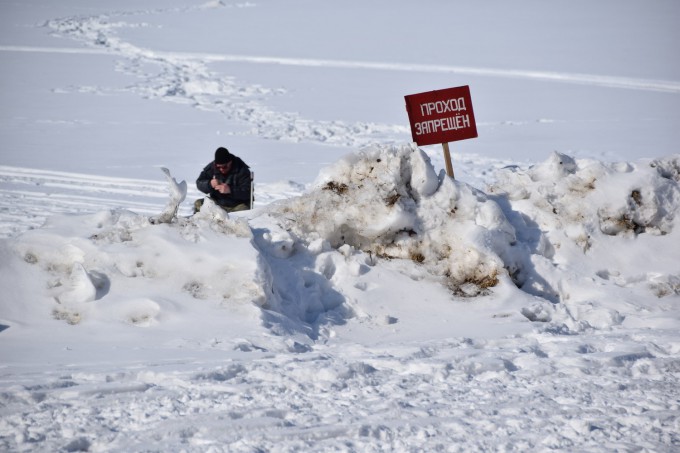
point(221, 188)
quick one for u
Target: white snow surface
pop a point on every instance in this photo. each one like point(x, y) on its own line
point(368, 302)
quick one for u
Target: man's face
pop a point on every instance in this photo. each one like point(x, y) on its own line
point(224, 168)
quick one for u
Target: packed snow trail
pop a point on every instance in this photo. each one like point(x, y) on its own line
point(665, 86)
point(183, 79)
point(186, 78)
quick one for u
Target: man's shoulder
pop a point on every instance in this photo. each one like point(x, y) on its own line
point(240, 165)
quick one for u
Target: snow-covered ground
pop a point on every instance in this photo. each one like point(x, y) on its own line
point(368, 302)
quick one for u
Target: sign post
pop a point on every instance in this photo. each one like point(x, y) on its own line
point(442, 116)
point(447, 159)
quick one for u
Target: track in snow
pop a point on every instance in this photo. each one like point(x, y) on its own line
point(29, 196)
point(632, 83)
point(186, 78)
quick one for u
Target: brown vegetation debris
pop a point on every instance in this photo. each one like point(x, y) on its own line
point(392, 199)
point(339, 188)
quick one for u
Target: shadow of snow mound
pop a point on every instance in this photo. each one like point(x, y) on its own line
point(300, 281)
point(390, 203)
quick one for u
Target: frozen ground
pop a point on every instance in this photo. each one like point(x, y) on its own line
point(368, 303)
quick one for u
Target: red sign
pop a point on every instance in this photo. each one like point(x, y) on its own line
point(441, 116)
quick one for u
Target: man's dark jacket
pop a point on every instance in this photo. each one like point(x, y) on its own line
point(238, 180)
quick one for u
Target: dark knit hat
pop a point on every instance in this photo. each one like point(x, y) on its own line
point(222, 156)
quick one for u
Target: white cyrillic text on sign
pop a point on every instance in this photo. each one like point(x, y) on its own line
point(451, 105)
point(454, 122)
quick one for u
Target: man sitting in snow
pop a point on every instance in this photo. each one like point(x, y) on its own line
point(227, 181)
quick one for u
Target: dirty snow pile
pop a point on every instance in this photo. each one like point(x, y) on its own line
point(388, 307)
point(392, 204)
point(554, 229)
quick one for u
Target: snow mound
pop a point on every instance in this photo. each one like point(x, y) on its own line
point(118, 266)
point(593, 197)
point(546, 230)
point(390, 203)
point(599, 238)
